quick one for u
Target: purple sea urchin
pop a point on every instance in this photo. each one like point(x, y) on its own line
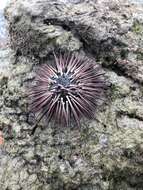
point(67, 90)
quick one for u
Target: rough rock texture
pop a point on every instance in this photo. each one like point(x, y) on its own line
point(105, 153)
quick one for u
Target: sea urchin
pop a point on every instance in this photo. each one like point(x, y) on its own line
point(67, 90)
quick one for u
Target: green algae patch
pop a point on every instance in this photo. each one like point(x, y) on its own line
point(137, 27)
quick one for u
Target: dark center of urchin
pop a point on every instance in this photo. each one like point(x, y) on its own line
point(61, 84)
point(62, 80)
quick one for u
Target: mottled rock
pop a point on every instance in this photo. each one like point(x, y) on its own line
point(105, 153)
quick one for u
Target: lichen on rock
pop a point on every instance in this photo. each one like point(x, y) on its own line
point(105, 153)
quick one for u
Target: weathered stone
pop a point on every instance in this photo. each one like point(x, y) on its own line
point(105, 153)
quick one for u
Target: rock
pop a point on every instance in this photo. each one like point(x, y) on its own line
point(105, 153)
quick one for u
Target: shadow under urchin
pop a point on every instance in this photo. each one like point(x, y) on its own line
point(66, 90)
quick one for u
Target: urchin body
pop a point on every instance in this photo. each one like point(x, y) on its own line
point(67, 90)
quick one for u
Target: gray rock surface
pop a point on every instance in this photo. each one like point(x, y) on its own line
point(105, 153)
